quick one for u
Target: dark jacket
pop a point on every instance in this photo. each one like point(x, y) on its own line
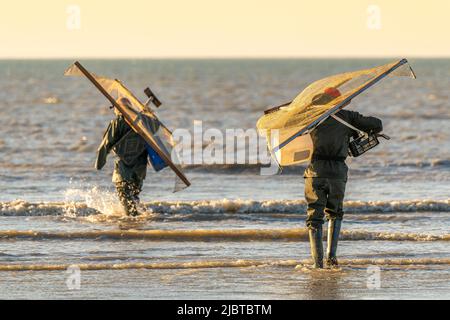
point(331, 139)
point(117, 132)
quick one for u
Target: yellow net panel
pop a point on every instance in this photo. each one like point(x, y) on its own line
point(284, 126)
point(298, 151)
point(162, 137)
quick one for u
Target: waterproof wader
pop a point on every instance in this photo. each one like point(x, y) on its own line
point(325, 197)
point(131, 166)
point(326, 178)
point(128, 193)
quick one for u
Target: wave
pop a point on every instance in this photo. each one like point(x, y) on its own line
point(106, 203)
point(421, 163)
point(298, 169)
point(291, 234)
point(224, 264)
point(253, 168)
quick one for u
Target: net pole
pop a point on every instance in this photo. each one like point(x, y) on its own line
point(141, 133)
point(340, 105)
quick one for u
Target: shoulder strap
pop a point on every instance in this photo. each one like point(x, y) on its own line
point(345, 123)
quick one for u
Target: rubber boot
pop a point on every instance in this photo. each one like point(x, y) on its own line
point(128, 196)
point(334, 228)
point(315, 240)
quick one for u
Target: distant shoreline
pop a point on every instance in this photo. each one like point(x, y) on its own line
point(216, 58)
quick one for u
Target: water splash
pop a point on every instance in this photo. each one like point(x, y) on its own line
point(103, 202)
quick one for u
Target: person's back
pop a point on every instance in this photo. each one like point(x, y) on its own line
point(331, 139)
point(326, 178)
point(131, 165)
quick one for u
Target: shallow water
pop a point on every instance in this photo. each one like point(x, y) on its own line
point(234, 233)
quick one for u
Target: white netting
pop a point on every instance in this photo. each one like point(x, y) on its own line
point(141, 115)
point(280, 125)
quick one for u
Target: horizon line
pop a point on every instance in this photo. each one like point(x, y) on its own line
point(224, 57)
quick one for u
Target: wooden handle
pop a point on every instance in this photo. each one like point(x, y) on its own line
point(130, 121)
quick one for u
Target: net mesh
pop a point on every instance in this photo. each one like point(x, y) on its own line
point(162, 136)
point(311, 104)
point(304, 109)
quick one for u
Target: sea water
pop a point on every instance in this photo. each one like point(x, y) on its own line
point(234, 233)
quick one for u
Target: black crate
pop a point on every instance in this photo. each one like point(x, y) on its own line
point(362, 144)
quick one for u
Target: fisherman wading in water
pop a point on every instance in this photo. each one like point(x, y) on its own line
point(131, 166)
point(326, 176)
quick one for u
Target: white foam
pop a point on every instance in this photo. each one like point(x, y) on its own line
point(101, 201)
point(295, 264)
point(93, 201)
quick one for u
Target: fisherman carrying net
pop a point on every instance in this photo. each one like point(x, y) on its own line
point(315, 128)
point(131, 165)
point(326, 175)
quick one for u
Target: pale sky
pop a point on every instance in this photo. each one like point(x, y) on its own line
point(224, 28)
